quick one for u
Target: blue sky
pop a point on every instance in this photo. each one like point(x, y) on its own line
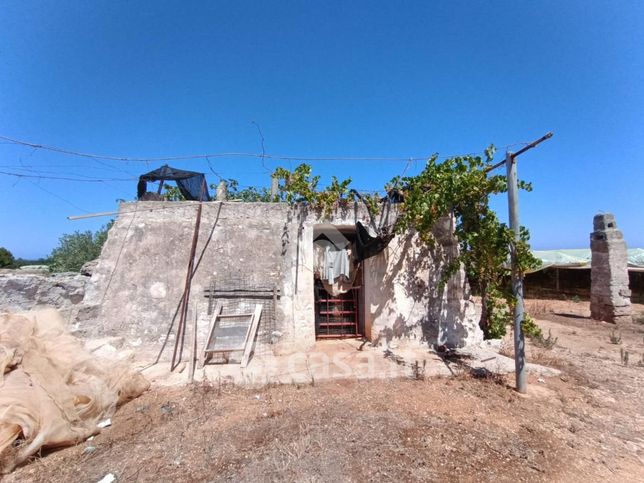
point(332, 78)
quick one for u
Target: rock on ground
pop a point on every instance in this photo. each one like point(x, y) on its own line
point(21, 291)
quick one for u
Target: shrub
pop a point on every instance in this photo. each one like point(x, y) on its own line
point(530, 327)
point(6, 258)
point(545, 342)
point(77, 248)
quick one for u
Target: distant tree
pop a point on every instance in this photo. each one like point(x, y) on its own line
point(21, 262)
point(77, 248)
point(6, 258)
point(100, 237)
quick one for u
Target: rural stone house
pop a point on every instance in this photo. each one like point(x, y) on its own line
point(278, 255)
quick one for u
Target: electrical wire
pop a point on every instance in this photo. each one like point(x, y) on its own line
point(63, 178)
point(263, 155)
point(211, 155)
point(47, 172)
point(28, 167)
point(51, 193)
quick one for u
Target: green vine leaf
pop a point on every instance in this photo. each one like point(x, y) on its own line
point(461, 187)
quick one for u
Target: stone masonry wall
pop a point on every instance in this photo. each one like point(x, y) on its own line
point(609, 292)
point(21, 291)
point(137, 285)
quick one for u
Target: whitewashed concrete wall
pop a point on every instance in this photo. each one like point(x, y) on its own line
point(405, 299)
point(138, 282)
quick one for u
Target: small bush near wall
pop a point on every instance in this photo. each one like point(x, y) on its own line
point(78, 248)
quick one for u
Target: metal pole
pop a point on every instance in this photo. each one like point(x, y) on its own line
point(517, 277)
point(94, 215)
point(522, 150)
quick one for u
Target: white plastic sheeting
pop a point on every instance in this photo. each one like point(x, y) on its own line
point(580, 258)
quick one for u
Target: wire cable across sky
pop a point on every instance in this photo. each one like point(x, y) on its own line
point(64, 178)
point(211, 155)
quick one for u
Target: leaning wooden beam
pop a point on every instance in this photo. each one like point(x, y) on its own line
point(252, 332)
point(211, 328)
point(246, 290)
point(193, 347)
point(181, 328)
point(241, 295)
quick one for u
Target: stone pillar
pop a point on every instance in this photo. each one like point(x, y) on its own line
point(610, 297)
point(274, 187)
point(222, 191)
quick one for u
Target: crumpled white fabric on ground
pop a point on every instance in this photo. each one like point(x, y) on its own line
point(52, 391)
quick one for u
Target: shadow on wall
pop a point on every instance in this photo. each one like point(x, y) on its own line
point(451, 300)
point(411, 292)
point(402, 291)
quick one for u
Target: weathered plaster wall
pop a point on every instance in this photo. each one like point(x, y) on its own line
point(137, 285)
point(405, 299)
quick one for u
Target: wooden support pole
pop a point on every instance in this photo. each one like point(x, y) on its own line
point(517, 277)
point(193, 347)
point(557, 286)
point(181, 328)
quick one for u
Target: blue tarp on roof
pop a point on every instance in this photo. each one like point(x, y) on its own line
point(192, 185)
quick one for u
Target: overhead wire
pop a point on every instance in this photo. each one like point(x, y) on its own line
point(212, 170)
point(261, 137)
point(263, 155)
point(64, 178)
point(208, 155)
point(47, 172)
point(51, 193)
point(34, 166)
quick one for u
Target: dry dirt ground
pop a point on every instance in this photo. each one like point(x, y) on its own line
point(586, 425)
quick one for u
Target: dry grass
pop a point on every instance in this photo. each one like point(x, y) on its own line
point(461, 428)
point(615, 337)
point(537, 307)
point(545, 342)
point(580, 426)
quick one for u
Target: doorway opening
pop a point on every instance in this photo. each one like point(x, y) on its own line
point(339, 301)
